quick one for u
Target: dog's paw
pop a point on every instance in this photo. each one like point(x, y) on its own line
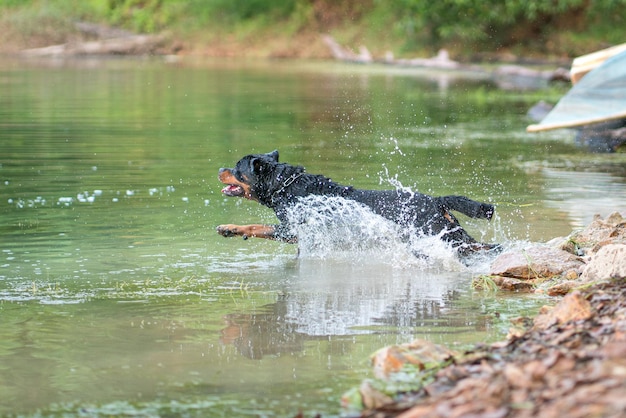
point(487, 210)
point(228, 230)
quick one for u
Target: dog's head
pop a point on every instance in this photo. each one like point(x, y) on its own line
point(253, 176)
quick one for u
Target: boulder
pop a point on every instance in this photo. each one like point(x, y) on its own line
point(573, 307)
point(421, 354)
point(598, 233)
point(512, 284)
point(608, 262)
point(539, 262)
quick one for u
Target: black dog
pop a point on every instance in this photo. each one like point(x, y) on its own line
point(262, 178)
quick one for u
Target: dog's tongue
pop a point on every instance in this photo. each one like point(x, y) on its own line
point(231, 190)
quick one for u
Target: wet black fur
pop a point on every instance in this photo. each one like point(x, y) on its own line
point(279, 185)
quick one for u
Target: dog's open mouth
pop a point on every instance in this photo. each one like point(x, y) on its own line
point(233, 190)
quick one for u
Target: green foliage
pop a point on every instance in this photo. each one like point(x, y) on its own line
point(11, 3)
point(140, 15)
point(154, 15)
point(564, 26)
point(36, 19)
point(236, 10)
point(496, 23)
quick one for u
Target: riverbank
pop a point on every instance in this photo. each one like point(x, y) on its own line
point(469, 31)
point(567, 361)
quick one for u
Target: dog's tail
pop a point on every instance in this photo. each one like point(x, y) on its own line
point(468, 207)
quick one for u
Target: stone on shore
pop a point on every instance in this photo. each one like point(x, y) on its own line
point(609, 261)
point(596, 253)
point(539, 262)
point(419, 353)
point(597, 234)
point(573, 307)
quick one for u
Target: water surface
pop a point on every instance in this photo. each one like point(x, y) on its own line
point(117, 296)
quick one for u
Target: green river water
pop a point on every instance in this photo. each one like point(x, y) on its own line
point(117, 297)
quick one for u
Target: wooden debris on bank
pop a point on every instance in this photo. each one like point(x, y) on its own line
point(441, 61)
point(134, 45)
point(560, 74)
point(343, 54)
point(111, 41)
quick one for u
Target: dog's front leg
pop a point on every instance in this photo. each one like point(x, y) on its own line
point(247, 231)
point(274, 232)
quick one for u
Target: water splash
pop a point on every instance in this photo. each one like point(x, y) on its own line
point(92, 197)
point(385, 177)
point(338, 228)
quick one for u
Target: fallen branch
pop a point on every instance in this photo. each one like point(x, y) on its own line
point(343, 54)
point(135, 44)
point(441, 61)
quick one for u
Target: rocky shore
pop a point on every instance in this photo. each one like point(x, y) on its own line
point(570, 360)
point(584, 257)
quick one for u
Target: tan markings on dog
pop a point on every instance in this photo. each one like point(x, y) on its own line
point(448, 217)
point(247, 231)
point(227, 177)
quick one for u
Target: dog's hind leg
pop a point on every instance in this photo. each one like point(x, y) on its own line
point(461, 240)
point(465, 244)
point(468, 206)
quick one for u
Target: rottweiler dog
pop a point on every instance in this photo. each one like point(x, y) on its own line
point(262, 178)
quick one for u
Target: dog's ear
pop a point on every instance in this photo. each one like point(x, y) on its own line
point(257, 165)
point(273, 155)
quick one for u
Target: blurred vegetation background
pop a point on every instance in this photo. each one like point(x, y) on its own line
point(469, 29)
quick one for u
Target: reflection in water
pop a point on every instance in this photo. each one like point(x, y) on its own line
point(264, 333)
point(339, 297)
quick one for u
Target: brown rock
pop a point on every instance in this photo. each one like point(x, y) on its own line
point(608, 262)
point(372, 397)
point(420, 353)
point(600, 232)
point(512, 284)
point(563, 288)
point(535, 263)
point(573, 307)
